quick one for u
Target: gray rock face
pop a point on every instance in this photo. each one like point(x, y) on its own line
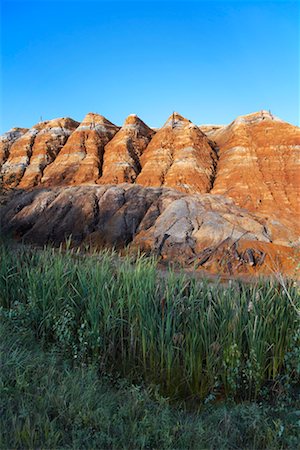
point(161, 221)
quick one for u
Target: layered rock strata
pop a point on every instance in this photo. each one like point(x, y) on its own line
point(20, 152)
point(45, 149)
point(259, 166)
point(81, 159)
point(191, 194)
point(6, 141)
point(179, 156)
point(33, 150)
point(122, 154)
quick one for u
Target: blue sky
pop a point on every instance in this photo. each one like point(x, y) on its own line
point(209, 60)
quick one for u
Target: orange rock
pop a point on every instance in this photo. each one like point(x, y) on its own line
point(6, 141)
point(122, 154)
point(81, 159)
point(259, 167)
point(210, 130)
point(47, 144)
point(238, 209)
point(19, 157)
point(179, 156)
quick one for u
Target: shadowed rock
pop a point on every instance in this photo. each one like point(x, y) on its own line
point(160, 221)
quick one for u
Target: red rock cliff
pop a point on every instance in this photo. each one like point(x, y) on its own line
point(210, 194)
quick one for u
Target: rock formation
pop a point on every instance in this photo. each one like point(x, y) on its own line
point(259, 166)
point(33, 150)
point(201, 230)
point(19, 156)
point(210, 130)
point(81, 159)
point(6, 141)
point(223, 198)
point(47, 144)
point(179, 156)
point(122, 154)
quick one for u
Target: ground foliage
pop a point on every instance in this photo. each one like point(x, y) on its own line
point(206, 365)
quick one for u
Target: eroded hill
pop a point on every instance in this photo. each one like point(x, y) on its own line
point(225, 198)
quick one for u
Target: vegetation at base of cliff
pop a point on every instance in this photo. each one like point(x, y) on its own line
point(46, 402)
point(193, 339)
point(72, 324)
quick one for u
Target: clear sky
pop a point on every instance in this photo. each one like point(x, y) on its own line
point(209, 60)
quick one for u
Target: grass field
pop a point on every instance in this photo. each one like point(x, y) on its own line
point(103, 352)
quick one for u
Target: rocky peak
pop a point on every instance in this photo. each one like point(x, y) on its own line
point(256, 117)
point(13, 134)
point(42, 142)
point(259, 166)
point(93, 121)
point(81, 159)
point(176, 121)
point(7, 140)
point(132, 119)
point(57, 126)
point(122, 154)
point(178, 156)
point(133, 122)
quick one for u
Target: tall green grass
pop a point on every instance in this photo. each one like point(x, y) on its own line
point(46, 403)
point(194, 339)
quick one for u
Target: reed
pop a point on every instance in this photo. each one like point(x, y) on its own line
point(193, 339)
